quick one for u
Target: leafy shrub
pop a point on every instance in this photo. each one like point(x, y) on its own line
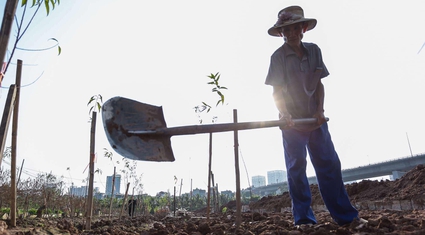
point(32, 211)
point(5, 210)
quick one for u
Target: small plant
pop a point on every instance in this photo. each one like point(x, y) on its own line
point(5, 210)
point(218, 89)
point(96, 102)
point(32, 211)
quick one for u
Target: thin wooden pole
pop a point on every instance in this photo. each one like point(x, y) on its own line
point(238, 181)
point(6, 27)
point(180, 193)
point(125, 199)
point(213, 194)
point(218, 198)
point(20, 171)
point(112, 193)
point(191, 193)
point(91, 171)
point(174, 201)
point(14, 145)
point(4, 125)
point(410, 148)
point(209, 179)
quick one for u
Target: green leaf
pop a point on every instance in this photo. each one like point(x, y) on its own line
point(53, 4)
point(46, 4)
point(99, 107)
point(91, 100)
point(59, 50)
point(24, 2)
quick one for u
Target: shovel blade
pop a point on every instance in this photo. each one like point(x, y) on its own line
point(121, 115)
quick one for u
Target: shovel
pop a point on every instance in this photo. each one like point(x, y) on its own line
point(138, 131)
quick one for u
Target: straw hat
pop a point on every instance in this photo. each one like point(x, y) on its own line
point(288, 16)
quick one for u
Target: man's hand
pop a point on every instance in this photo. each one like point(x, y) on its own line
point(320, 115)
point(288, 119)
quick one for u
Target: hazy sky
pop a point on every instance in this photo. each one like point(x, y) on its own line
point(160, 53)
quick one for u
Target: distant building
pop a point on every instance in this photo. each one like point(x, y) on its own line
point(275, 177)
point(78, 191)
point(117, 185)
point(162, 194)
point(200, 192)
point(228, 193)
point(258, 181)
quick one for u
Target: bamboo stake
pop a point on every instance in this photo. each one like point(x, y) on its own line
point(125, 199)
point(209, 179)
point(6, 26)
point(174, 201)
point(112, 194)
point(213, 194)
point(91, 172)
point(14, 145)
point(238, 182)
point(4, 126)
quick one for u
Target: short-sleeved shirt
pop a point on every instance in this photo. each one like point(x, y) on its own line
point(298, 77)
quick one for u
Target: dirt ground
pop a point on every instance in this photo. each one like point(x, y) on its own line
point(391, 207)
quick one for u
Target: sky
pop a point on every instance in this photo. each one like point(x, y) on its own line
point(161, 52)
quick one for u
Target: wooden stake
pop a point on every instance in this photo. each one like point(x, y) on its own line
point(89, 212)
point(125, 199)
point(174, 202)
point(209, 179)
point(4, 126)
point(213, 208)
point(112, 194)
point(6, 27)
point(14, 145)
point(238, 181)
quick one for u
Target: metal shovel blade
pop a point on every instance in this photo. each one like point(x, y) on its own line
point(121, 115)
point(138, 131)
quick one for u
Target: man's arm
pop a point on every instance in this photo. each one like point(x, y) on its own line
point(281, 105)
point(320, 98)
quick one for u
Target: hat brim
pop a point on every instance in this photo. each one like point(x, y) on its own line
point(275, 30)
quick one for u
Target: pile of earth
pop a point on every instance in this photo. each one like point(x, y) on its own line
point(385, 221)
point(409, 187)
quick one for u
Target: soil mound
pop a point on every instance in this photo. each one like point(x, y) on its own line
point(411, 186)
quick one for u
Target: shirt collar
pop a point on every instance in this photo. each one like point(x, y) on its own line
point(288, 50)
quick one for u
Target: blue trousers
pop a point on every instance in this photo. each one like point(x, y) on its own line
point(328, 173)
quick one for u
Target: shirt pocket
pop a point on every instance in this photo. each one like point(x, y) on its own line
point(311, 85)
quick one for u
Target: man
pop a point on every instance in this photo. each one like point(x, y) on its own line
point(295, 72)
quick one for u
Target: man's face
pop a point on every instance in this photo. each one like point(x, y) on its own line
point(292, 34)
